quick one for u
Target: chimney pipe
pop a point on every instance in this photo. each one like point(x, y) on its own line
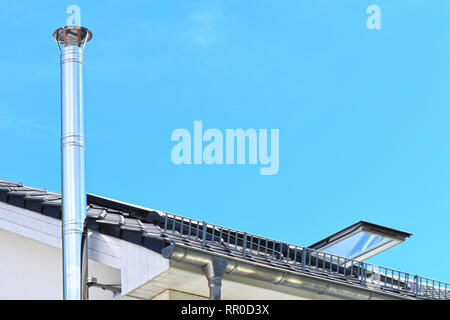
point(71, 41)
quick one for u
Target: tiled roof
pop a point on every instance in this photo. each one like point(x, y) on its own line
point(135, 224)
point(138, 225)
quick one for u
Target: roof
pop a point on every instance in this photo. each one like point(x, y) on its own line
point(150, 228)
point(127, 222)
point(155, 230)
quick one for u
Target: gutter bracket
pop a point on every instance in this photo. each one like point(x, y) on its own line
point(114, 288)
point(325, 290)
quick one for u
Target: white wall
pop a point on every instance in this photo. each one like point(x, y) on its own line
point(30, 269)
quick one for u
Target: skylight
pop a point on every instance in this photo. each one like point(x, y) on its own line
point(361, 241)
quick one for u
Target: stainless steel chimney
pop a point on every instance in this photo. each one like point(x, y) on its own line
point(71, 42)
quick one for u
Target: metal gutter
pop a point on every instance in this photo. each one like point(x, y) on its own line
point(238, 267)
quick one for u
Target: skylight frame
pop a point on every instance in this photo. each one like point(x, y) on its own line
point(393, 236)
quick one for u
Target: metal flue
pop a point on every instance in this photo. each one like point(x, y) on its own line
point(71, 42)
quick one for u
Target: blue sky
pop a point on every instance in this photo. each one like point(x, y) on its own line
point(363, 114)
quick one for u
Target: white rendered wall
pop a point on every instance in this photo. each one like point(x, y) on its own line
point(30, 269)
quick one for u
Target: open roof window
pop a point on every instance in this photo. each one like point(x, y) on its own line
point(361, 241)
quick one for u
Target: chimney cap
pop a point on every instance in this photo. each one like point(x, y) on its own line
point(72, 35)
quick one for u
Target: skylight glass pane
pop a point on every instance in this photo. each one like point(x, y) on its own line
point(357, 245)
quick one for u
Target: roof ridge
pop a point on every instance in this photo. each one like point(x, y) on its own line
point(4, 182)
